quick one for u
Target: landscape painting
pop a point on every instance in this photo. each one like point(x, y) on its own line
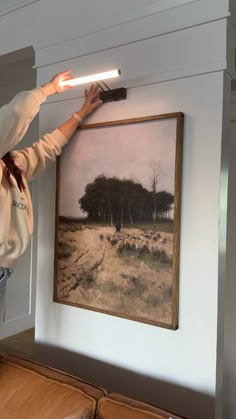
point(118, 219)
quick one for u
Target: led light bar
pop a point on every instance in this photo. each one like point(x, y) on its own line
point(91, 78)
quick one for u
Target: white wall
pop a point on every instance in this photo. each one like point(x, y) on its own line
point(186, 357)
point(173, 57)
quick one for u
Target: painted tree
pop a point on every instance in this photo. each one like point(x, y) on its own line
point(156, 172)
point(132, 196)
point(112, 200)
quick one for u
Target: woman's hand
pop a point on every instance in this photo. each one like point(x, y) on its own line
point(92, 101)
point(54, 86)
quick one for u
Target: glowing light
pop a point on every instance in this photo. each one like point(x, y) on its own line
point(91, 78)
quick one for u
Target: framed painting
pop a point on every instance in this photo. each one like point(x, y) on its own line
point(118, 219)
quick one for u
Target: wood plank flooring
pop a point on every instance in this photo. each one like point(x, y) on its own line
point(22, 344)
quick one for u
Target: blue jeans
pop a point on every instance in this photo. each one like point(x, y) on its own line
point(5, 273)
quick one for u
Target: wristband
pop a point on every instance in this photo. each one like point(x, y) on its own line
point(76, 116)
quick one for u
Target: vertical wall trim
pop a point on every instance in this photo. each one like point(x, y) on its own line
point(223, 201)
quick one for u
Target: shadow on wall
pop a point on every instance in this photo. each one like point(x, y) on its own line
point(168, 396)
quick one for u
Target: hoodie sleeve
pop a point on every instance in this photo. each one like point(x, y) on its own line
point(33, 160)
point(16, 116)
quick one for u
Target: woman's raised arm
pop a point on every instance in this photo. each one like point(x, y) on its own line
point(16, 116)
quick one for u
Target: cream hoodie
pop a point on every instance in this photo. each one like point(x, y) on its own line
point(16, 214)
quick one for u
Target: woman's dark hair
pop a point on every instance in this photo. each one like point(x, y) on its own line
point(12, 169)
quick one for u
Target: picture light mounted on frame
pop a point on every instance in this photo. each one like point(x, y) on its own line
point(107, 94)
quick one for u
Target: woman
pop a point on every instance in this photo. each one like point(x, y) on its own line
point(17, 168)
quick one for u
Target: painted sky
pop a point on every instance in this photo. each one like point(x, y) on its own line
point(125, 151)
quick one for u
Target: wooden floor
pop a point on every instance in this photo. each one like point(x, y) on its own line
point(22, 344)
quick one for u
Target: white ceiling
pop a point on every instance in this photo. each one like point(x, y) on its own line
point(7, 6)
